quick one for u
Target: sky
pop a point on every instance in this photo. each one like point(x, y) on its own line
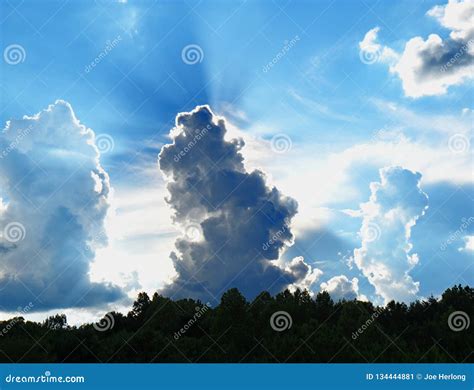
point(193, 146)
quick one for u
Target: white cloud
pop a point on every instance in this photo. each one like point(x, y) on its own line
point(372, 51)
point(467, 111)
point(429, 67)
point(385, 257)
point(469, 244)
point(421, 144)
point(369, 43)
point(305, 274)
point(340, 287)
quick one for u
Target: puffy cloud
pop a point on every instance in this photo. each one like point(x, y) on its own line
point(428, 67)
point(458, 16)
point(370, 43)
point(234, 225)
point(420, 143)
point(138, 226)
point(55, 192)
point(305, 275)
point(340, 287)
point(469, 244)
point(372, 51)
point(385, 257)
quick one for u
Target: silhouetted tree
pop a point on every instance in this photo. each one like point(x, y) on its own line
point(318, 330)
point(140, 306)
point(56, 322)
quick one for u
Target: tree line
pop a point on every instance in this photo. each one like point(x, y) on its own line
point(289, 327)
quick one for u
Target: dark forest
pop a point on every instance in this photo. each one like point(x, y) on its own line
point(290, 327)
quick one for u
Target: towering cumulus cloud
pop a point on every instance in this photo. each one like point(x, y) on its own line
point(385, 257)
point(55, 197)
point(234, 225)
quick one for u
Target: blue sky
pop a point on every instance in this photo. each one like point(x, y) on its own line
point(346, 102)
